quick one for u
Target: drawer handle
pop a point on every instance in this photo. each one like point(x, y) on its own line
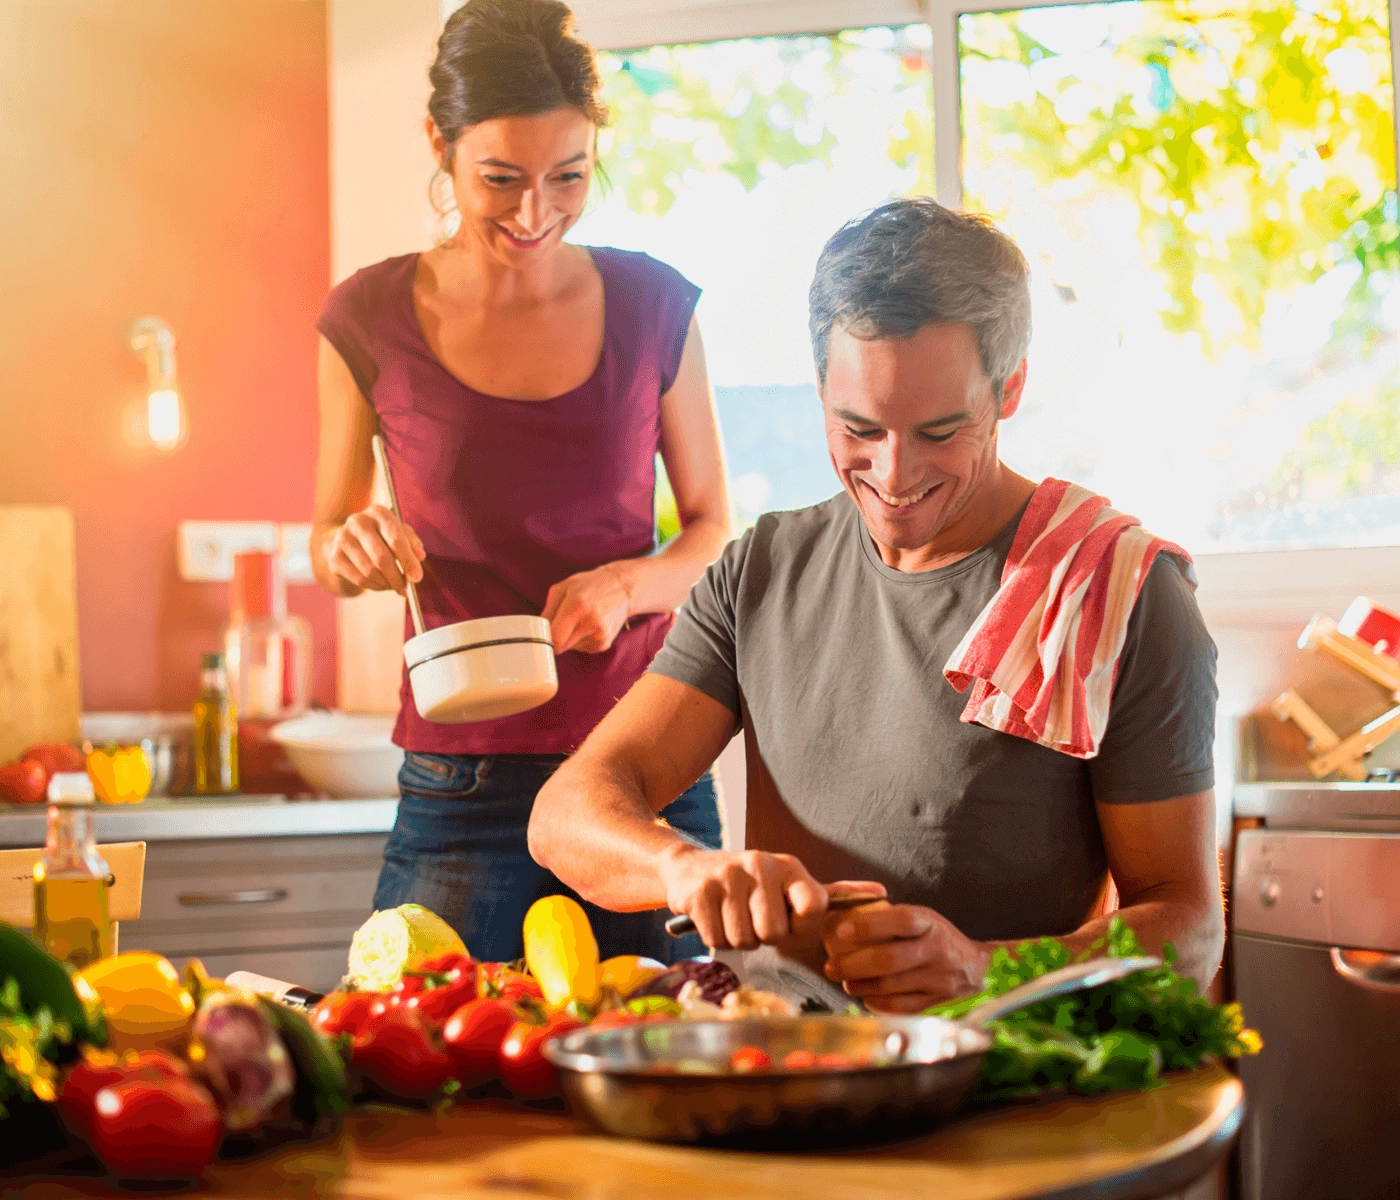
point(1368, 969)
point(254, 896)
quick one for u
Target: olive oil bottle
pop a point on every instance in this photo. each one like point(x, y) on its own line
point(215, 732)
point(71, 920)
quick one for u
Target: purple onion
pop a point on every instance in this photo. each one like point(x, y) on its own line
point(714, 979)
point(241, 1058)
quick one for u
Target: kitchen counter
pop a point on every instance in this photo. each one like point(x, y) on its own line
point(1133, 1145)
point(1372, 807)
point(204, 817)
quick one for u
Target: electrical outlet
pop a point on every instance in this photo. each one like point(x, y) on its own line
point(295, 550)
point(205, 549)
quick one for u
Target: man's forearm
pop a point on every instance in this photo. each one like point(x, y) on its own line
point(593, 827)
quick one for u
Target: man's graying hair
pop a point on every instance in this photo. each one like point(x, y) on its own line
point(911, 263)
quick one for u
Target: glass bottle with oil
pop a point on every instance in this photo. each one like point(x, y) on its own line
point(71, 920)
point(215, 732)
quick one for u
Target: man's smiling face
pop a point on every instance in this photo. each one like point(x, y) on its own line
point(911, 426)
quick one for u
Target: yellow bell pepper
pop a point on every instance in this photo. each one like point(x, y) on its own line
point(145, 1004)
point(120, 775)
point(627, 972)
point(561, 951)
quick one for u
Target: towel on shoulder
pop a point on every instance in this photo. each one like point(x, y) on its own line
point(1042, 657)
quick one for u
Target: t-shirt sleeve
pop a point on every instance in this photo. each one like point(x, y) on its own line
point(675, 307)
point(702, 648)
point(344, 322)
point(1161, 723)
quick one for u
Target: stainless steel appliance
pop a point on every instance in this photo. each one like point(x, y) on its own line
point(1317, 969)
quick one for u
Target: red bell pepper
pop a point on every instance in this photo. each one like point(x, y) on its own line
point(439, 987)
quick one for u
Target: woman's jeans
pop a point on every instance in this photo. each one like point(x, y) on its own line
point(458, 848)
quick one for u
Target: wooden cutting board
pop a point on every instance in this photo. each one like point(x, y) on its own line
point(40, 696)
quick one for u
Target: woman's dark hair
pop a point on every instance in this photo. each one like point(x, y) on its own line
point(510, 58)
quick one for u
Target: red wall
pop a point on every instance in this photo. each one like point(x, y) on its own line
point(165, 157)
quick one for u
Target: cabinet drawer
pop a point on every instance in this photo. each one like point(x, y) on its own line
point(249, 880)
point(319, 968)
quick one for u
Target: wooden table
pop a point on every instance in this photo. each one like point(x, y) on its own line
point(1123, 1147)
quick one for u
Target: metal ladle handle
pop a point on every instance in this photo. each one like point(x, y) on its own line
point(1056, 983)
point(382, 458)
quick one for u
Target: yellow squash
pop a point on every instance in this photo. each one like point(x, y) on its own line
point(145, 1004)
point(627, 972)
point(120, 775)
point(561, 950)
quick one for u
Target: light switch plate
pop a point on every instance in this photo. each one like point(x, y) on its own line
point(206, 548)
point(296, 553)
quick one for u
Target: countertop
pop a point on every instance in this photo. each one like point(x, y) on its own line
point(1121, 1147)
point(185, 819)
point(1347, 807)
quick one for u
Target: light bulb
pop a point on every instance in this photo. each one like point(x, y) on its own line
point(163, 418)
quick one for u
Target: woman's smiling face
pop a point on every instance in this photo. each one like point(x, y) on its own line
point(911, 426)
point(520, 182)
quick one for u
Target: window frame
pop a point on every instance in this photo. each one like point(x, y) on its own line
point(1250, 588)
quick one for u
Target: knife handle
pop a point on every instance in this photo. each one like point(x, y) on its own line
point(679, 926)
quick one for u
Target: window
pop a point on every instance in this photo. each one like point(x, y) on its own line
point(1206, 194)
point(734, 161)
point(1207, 199)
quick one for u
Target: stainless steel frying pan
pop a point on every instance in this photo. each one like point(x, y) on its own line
point(614, 1076)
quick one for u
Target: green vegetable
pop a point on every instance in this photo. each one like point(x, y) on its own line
point(26, 1043)
point(647, 1006)
point(43, 983)
point(1120, 1035)
point(322, 1086)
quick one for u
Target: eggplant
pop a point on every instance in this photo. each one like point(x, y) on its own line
point(714, 979)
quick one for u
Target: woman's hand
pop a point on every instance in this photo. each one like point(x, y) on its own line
point(363, 551)
point(587, 611)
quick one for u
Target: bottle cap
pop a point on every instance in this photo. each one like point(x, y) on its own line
point(71, 787)
point(211, 662)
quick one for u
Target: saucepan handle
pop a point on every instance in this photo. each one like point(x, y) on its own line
point(1056, 983)
point(1367, 969)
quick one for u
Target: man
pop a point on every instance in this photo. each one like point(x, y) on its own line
point(824, 633)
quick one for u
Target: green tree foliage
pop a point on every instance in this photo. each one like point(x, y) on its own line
point(751, 107)
point(1256, 139)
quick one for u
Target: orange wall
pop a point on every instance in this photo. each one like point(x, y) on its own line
point(165, 157)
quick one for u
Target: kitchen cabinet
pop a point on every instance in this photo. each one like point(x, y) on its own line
point(285, 907)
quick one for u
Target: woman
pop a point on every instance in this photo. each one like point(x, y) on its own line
point(523, 387)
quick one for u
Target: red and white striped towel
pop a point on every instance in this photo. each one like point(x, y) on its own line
point(1042, 657)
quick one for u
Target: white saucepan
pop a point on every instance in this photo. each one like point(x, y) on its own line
point(474, 670)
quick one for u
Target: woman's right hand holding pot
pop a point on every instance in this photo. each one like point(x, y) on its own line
point(368, 550)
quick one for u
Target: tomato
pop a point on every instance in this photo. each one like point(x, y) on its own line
point(749, 1058)
point(24, 782)
point(500, 981)
point(55, 757)
point(154, 1121)
point(97, 1069)
point(473, 1036)
point(343, 1012)
point(402, 1053)
point(799, 1060)
point(833, 1062)
point(614, 1017)
point(438, 987)
point(524, 1068)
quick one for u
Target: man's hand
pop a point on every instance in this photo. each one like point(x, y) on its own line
point(901, 958)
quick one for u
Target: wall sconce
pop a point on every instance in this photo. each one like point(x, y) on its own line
point(152, 339)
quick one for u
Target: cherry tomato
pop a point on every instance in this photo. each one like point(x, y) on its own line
point(439, 987)
point(500, 981)
point(402, 1053)
point(524, 1068)
point(343, 1012)
point(473, 1036)
point(749, 1058)
point(833, 1062)
point(799, 1060)
point(154, 1122)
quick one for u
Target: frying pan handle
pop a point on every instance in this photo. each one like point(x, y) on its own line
point(1057, 983)
point(382, 458)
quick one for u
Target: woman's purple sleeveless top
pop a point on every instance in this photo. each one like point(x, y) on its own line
point(511, 496)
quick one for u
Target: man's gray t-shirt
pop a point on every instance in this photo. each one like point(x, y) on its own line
point(857, 761)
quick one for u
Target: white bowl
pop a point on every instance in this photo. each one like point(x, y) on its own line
point(345, 755)
point(478, 670)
